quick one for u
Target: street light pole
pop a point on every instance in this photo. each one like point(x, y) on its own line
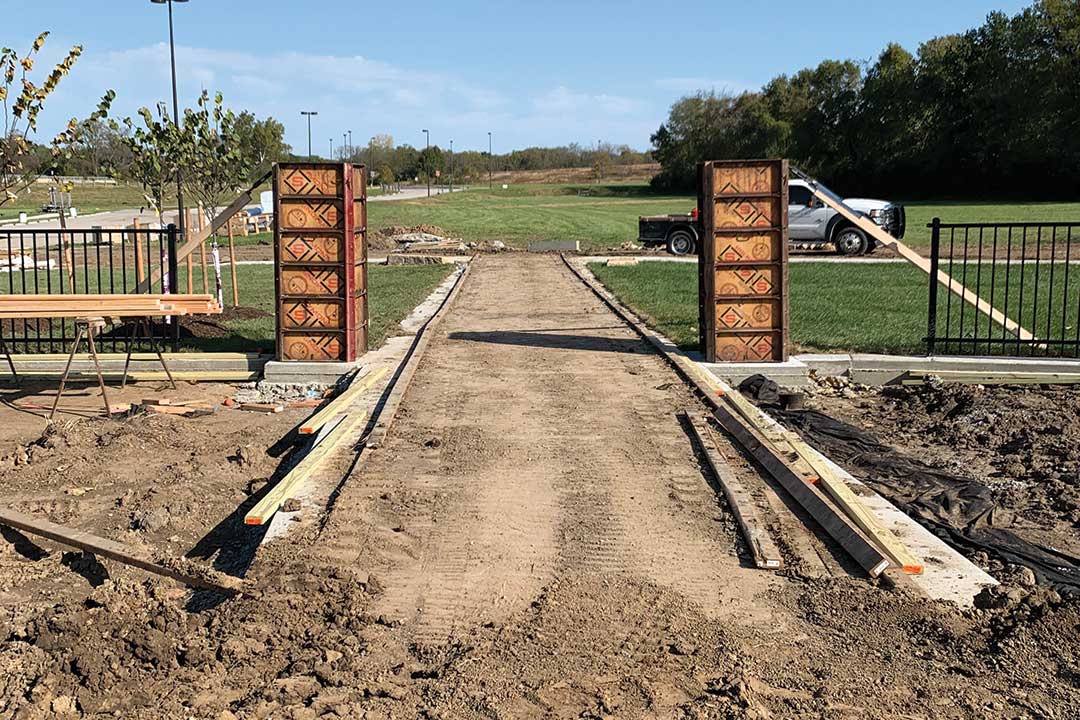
point(451, 167)
point(490, 159)
point(345, 147)
point(331, 149)
point(371, 158)
point(351, 150)
point(176, 114)
point(427, 146)
point(309, 113)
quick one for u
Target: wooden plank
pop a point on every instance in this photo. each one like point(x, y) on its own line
point(104, 547)
point(288, 485)
point(341, 402)
point(868, 556)
point(835, 487)
point(270, 408)
point(954, 286)
point(762, 548)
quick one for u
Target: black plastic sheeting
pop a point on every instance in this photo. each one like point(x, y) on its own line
point(959, 510)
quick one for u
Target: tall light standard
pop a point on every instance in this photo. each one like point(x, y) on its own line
point(451, 167)
point(331, 156)
point(371, 157)
point(351, 151)
point(427, 146)
point(176, 112)
point(309, 114)
point(490, 159)
point(345, 147)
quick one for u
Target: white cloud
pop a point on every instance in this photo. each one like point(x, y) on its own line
point(367, 95)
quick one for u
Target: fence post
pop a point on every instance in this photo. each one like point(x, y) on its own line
point(931, 318)
point(173, 281)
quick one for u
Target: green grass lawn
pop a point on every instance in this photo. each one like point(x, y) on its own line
point(394, 292)
point(604, 217)
point(919, 215)
point(607, 215)
point(845, 307)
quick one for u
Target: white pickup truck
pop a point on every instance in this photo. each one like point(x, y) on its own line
point(811, 225)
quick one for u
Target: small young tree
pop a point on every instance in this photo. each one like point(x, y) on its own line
point(156, 153)
point(22, 101)
point(215, 164)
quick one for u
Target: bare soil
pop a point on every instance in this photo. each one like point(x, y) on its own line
point(536, 538)
point(1021, 442)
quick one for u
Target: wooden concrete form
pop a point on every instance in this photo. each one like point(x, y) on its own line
point(743, 260)
point(320, 260)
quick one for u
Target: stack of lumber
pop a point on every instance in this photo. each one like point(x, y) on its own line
point(338, 422)
point(989, 377)
point(17, 307)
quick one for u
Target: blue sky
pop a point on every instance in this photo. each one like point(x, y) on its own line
point(540, 73)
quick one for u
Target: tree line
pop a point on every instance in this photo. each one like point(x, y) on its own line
point(991, 112)
point(391, 163)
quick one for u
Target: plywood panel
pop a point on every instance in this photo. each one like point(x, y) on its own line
point(748, 247)
point(747, 280)
point(313, 346)
point(312, 247)
point(748, 314)
point(311, 215)
point(741, 213)
point(310, 179)
point(746, 177)
point(323, 314)
point(747, 347)
point(742, 273)
point(308, 281)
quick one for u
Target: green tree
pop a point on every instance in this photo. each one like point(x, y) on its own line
point(262, 141)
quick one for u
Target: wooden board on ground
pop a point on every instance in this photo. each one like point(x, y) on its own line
point(762, 547)
point(287, 487)
point(108, 548)
point(357, 387)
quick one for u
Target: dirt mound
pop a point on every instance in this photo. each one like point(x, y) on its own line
point(213, 326)
point(386, 238)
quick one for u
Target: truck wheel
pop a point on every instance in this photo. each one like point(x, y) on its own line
point(680, 242)
point(850, 240)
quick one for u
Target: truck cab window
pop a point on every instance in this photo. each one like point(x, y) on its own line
point(799, 195)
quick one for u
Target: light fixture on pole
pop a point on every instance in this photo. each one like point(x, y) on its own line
point(451, 167)
point(427, 146)
point(309, 114)
point(176, 113)
point(490, 159)
point(331, 149)
point(345, 147)
point(351, 149)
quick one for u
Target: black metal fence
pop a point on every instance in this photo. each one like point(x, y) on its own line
point(85, 262)
point(1028, 271)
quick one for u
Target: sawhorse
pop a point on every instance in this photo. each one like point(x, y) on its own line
point(86, 327)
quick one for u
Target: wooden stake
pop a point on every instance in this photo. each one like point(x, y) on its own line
point(140, 271)
point(232, 267)
point(202, 251)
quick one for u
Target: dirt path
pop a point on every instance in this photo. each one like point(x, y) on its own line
point(538, 442)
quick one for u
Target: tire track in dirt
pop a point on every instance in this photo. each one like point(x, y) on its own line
point(538, 442)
